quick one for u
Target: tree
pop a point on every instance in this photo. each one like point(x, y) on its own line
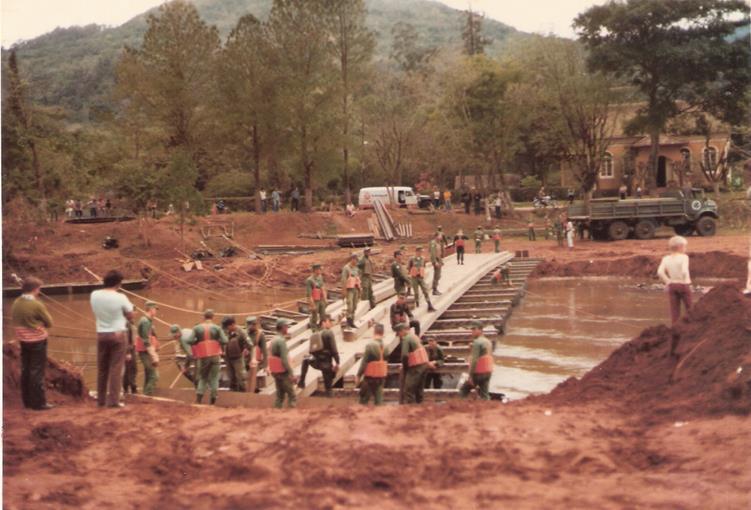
point(680, 54)
point(352, 45)
point(474, 41)
point(407, 51)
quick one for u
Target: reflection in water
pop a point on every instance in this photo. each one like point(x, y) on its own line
point(565, 327)
point(73, 338)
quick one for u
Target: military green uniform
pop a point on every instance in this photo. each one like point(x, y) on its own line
point(418, 282)
point(283, 381)
point(497, 239)
point(186, 335)
point(414, 378)
point(257, 339)
point(365, 265)
point(352, 294)
point(150, 372)
point(401, 278)
point(209, 368)
point(371, 386)
point(558, 229)
point(479, 236)
point(480, 347)
point(436, 258)
point(318, 309)
point(439, 359)
point(234, 357)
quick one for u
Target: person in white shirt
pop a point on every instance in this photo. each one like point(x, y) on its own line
point(570, 234)
point(674, 273)
point(113, 311)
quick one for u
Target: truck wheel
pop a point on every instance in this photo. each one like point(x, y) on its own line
point(706, 226)
point(684, 230)
point(618, 231)
point(645, 229)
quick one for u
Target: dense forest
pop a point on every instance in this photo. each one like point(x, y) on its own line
point(196, 99)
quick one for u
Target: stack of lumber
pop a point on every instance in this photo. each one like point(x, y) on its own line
point(355, 240)
point(385, 222)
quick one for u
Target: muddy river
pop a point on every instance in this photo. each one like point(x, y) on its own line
point(562, 328)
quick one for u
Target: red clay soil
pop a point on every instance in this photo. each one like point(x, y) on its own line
point(625, 436)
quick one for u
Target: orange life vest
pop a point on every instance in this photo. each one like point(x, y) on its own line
point(207, 347)
point(276, 366)
point(141, 347)
point(418, 357)
point(484, 364)
point(353, 282)
point(417, 271)
point(459, 243)
point(377, 369)
point(496, 237)
point(316, 294)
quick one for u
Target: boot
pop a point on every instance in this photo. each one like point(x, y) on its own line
point(430, 307)
point(436, 293)
point(213, 400)
point(199, 398)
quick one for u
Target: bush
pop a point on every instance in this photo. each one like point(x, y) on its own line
point(230, 184)
point(531, 182)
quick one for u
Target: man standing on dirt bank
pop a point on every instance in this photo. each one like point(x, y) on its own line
point(374, 368)
point(324, 356)
point(436, 258)
point(113, 311)
point(415, 365)
point(31, 320)
point(481, 364)
point(209, 339)
point(479, 237)
point(401, 278)
point(435, 355)
point(400, 313)
point(531, 230)
point(351, 283)
point(146, 345)
point(280, 368)
point(315, 291)
point(365, 265)
point(235, 353)
point(131, 366)
point(417, 273)
point(674, 273)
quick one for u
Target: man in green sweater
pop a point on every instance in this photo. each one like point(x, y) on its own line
point(280, 367)
point(481, 364)
point(401, 278)
point(145, 348)
point(371, 376)
point(315, 290)
point(351, 285)
point(208, 339)
point(31, 321)
point(415, 365)
point(365, 265)
point(436, 259)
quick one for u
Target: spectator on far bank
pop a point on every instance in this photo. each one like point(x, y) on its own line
point(531, 230)
point(622, 191)
point(92, 207)
point(79, 209)
point(497, 204)
point(466, 200)
point(436, 199)
point(31, 320)
point(108, 207)
point(447, 199)
point(276, 199)
point(571, 195)
point(638, 192)
point(570, 230)
point(70, 207)
point(350, 209)
point(262, 196)
point(477, 197)
point(295, 199)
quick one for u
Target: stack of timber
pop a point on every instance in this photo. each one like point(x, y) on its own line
point(385, 221)
point(404, 229)
point(355, 240)
point(296, 249)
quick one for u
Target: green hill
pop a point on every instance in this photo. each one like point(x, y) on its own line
point(74, 67)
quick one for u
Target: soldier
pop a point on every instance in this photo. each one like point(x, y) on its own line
point(351, 285)
point(531, 230)
point(497, 239)
point(146, 346)
point(258, 339)
point(371, 376)
point(365, 265)
point(459, 240)
point(415, 365)
point(439, 232)
point(479, 237)
point(237, 349)
point(280, 367)
point(401, 278)
point(315, 290)
point(323, 356)
point(437, 248)
point(481, 364)
point(417, 273)
point(208, 340)
point(400, 313)
point(183, 337)
point(131, 368)
point(435, 355)
point(403, 250)
point(558, 229)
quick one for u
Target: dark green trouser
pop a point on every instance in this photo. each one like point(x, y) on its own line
point(414, 384)
point(237, 374)
point(372, 386)
point(316, 312)
point(352, 298)
point(208, 375)
point(150, 373)
point(284, 387)
point(436, 275)
point(481, 383)
point(478, 246)
point(417, 284)
point(367, 291)
point(497, 246)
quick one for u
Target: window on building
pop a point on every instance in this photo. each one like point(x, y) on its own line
point(606, 168)
point(710, 157)
point(686, 159)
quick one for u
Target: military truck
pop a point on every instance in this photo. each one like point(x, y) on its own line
point(687, 211)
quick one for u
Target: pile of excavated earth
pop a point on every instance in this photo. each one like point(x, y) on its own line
point(640, 430)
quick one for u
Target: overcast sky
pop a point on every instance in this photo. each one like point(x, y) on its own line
point(26, 19)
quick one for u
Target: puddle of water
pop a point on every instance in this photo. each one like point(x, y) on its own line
point(565, 327)
point(73, 338)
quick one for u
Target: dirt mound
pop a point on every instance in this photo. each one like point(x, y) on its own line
point(712, 375)
point(712, 264)
point(63, 381)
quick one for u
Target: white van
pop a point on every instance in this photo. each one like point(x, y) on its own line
point(403, 195)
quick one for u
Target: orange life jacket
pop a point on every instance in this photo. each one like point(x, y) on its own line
point(496, 237)
point(415, 271)
point(377, 369)
point(459, 243)
point(207, 347)
point(353, 282)
point(418, 357)
point(316, 294)
point(276, 366)
point(484, 364)
point(141, 347)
